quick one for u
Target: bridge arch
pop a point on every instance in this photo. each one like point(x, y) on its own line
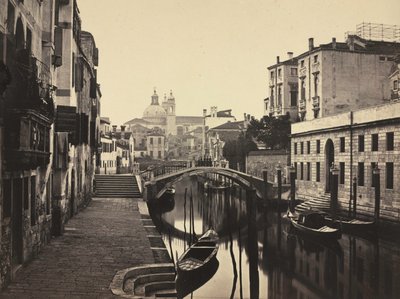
point(156, 184)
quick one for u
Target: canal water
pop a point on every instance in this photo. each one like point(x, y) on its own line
point(260, 256)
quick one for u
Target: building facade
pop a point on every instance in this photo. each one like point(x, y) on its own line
point(46, 150)
point(355, 142)
point(344, 76)
point(283, 88)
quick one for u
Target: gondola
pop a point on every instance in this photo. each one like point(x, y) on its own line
point(314, 224)
point(351, 225)
point(167, 195)
point(200, 254)
point(187, 283)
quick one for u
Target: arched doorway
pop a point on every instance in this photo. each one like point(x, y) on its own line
point(329, 159)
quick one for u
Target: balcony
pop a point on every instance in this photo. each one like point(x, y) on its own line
point(316, 103)
point(302, 105)
point(315, 67)
point(27, 139)
point(303, 72)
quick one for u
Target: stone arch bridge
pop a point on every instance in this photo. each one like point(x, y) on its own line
point(156, 185)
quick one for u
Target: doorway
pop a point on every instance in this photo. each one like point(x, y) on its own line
point(329, 159)
point(72, 199)
point(16, 223)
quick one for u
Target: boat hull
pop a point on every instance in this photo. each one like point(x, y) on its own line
point(330, 235)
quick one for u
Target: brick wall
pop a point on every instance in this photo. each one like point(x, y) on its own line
point(257, 161)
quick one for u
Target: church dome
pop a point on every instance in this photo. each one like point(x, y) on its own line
point(154, 112)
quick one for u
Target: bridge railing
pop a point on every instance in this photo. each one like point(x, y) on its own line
point(176, 166)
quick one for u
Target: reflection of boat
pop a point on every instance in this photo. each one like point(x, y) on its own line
point(187, 283)
point(199, 254)
point(313, 224)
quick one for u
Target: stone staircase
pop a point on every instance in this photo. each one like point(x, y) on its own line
point(124, 186)
point(322, 203)
point(147, 281)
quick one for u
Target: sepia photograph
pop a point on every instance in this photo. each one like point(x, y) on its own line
point(202, 149)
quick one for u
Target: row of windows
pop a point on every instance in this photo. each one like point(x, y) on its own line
point(389, 146)
point(108, 164)
point(158, 156)
point(304, 173)
point(151, 140)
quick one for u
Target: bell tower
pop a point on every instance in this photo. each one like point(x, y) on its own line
point(169, 106)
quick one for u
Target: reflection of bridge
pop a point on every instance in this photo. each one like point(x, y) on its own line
point(156, 184)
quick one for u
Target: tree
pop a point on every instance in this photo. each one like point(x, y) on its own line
point(274, 132)
point(235, 151)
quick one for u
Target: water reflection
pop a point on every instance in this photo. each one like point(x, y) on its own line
point(260, 256)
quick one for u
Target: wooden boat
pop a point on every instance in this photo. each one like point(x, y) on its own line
point(167, 195)
point(351, 225)
point(200, 254)
point(314, 224)
point(215, 185)
point(187, 283)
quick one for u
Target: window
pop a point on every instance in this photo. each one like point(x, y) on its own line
point(395, 84)
point(308, 147)
point(293, 97)
point(302, 148)
point(151, 154)
point(159, 140)
point(295, 148)
point(315, 58)
point(303, 89)
point(301, 171)
point(73, 69)
point(272, 74)
point(316, 81)
point(159, 154)
point(318, 171)
point(295, 167)
point(374, 142)
point(361, 143)
point(342, 144)
point(389, 175)
point(389, 141)
point(302, 63)
point(151, 140)
point(308, 171)
point(26, 193)
point(341, 172)
point(373, 165)
point(382, 58)
point(360, 174)
point(293, 71)
point(318, 146)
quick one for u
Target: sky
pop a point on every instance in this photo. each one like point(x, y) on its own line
point(209, 52)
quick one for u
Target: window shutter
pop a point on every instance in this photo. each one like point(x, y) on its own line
point(58, 46)
point(93, 88)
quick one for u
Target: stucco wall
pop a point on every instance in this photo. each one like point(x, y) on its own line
point(257, 161)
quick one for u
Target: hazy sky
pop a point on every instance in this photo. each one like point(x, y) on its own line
point(209, 52)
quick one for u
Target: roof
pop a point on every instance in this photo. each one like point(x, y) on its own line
point(123, 146)
point(229, 135)
point(223, 113)
point(268, 152)
point(230, 125)
point(360, 46)
point(105, 120)
point(292, 61)
point(198, 120)
point(119, 134)
point(136, 121)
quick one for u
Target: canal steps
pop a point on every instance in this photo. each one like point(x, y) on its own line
point(322, 203)
point(113, 186)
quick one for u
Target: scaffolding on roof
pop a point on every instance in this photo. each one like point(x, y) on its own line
point(376, 31)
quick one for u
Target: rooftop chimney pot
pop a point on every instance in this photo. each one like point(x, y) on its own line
point(334, 42)
point(311, 43)
point(290, 55)
point(277, 59)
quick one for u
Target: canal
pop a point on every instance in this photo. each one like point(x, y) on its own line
point(260, 256)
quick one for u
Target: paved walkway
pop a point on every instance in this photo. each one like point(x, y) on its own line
point(105, 237)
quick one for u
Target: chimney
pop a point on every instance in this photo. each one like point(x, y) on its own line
point(333, 42)
point(290, 55)
point(245, 116)
point(204, 112)
point(310, 43)
point(277, 59)
point(114, 128)
point(123, 128)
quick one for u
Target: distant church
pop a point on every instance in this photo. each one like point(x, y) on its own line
point(163, 117)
